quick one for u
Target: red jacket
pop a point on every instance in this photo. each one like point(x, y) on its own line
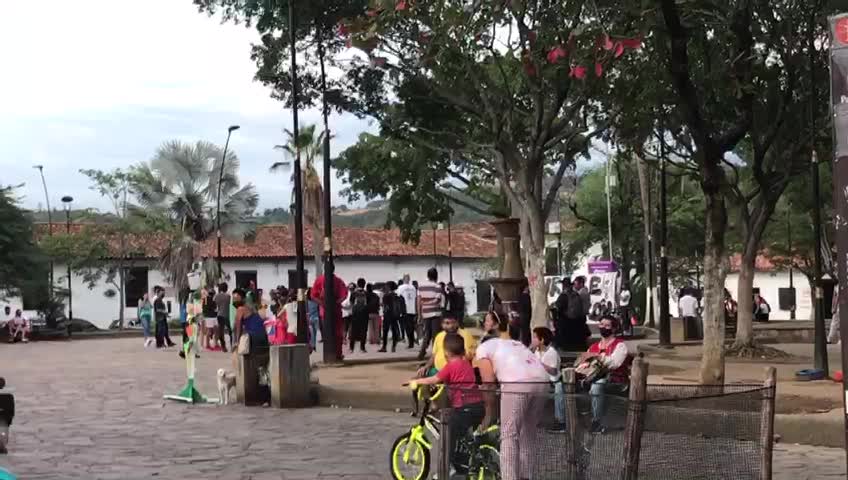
point(620, 374)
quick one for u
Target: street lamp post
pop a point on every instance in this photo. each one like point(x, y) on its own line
point(230, 131)
point(298, 187)
point(40, 169)
point(450, 251)
point(66, 201)
point(820, 342)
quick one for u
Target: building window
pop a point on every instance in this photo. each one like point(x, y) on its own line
point(135, 280)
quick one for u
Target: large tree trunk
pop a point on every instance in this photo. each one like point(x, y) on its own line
point(645, 199)
point(745, 300)
point(715, 271)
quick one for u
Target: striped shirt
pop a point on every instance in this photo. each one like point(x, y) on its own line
point(431, 297)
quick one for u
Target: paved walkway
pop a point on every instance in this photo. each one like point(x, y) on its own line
point(93, 410)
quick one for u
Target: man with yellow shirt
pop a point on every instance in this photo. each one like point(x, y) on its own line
point(438, 360)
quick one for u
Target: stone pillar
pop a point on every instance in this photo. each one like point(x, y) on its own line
point(289, 371)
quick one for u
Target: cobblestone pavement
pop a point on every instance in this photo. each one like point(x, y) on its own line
point(94, 410)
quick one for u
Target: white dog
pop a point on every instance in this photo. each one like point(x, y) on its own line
point(226, 381)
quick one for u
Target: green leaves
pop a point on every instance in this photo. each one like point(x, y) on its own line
point(21, 261)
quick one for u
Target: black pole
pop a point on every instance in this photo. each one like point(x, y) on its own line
point(665, 320)
point(298, 189)
point(839, 112)
point(820, 349)
point(435, 255)
point(450, 251)
point(791, 255)
point(329, 333)
point(651, 273)
point(70, 292)
point(218, 208)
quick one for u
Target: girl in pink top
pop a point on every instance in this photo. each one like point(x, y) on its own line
point(524, 387)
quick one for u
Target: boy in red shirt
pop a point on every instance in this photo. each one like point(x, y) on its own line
point(465, 399)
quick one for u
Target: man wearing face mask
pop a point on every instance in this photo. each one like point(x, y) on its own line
point(612, 353)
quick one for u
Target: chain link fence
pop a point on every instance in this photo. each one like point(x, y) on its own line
point(603, 432)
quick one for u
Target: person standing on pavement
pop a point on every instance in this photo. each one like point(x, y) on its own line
point(342, 294)
point(359, 323)
point(314, 318)
point(222, 304)
point(409, 295)
point(687, 308)
point(394, 309)
point(373, 315)
point(145, 316)
point(584, 294)
point(624, 309)
point(430, 301)
point(572, 333)
point(347, 312)
point(163, 340)
point(833, 334)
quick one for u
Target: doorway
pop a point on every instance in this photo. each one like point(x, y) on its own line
point(244, 277)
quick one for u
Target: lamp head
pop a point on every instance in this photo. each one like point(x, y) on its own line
point(67, 199)
point(233, 128)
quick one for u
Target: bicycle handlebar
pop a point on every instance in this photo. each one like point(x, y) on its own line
point(416, 387)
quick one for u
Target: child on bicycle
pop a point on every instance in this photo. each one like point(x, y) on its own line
point(465, 399)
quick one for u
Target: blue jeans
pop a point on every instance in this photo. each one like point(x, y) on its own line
point(599, 391)
point(313, 328)
point(145, 325)
point(559, 402)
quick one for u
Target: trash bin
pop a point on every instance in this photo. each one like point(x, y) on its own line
point(692, 328)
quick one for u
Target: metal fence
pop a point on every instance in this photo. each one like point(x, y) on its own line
point(642, 431)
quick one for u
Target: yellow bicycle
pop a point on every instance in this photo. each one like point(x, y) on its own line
point(410, 455)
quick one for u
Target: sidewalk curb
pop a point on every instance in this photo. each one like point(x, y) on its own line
point(809, 430)
point(797, 429)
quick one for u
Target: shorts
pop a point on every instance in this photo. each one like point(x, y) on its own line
point(211, 322)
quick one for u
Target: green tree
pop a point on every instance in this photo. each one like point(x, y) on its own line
point(716, 104)
point(496, 91)
point(310, 148)
point(178, 189)
point(22, 263)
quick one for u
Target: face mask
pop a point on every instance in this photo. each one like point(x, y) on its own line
point(606, 332)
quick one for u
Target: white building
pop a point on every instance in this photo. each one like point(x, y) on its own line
point(268, 258)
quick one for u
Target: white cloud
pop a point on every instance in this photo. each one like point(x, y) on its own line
point(101, 83)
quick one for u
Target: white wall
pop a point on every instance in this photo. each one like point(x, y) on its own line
point(769, 283)
point(93, 306)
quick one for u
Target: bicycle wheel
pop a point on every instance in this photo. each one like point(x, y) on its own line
point(486, 464)
point(409, 460)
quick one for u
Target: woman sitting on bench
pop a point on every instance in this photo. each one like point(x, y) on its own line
point(611, 353)
point(18, 327)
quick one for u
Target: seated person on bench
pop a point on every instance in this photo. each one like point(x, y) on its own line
point(18, 327)
point(612, 354)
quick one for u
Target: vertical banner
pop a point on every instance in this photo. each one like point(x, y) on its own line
point(839, 106)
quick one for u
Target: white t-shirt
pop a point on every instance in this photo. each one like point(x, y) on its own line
point(624, 298)
point(408, 294)
point(512, 361)
point(4, 319)
point(688, 306)
point(551, 359)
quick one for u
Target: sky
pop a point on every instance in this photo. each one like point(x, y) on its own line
point(102, 83)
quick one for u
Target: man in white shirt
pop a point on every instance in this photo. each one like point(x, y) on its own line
point(688, 309)
point(5, 316)
point(410, 297)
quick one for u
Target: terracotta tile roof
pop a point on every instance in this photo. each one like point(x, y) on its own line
point(761, 264)
point(277, 241)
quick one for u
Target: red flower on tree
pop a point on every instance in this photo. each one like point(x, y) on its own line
point(599, 69)
point(578, 72)
point(556, 53)
point(401, 5)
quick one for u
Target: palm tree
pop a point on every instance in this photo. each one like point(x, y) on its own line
point(310, 149)
point(178, 188)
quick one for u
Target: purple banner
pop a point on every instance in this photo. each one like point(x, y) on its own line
point(603, 266)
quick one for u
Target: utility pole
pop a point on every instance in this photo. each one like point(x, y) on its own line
point(298, 188)
point(839, 90)
point(820, 349)
point(40, 169)
point(329, 333)
point(665, 320)
point(791, 255)
point(230, 131)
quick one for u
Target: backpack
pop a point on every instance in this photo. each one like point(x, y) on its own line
point(360, 303)
point(397, 306)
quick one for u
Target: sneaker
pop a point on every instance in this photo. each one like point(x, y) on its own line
point(598, 428)
point(382, 350)
point(394, 348)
